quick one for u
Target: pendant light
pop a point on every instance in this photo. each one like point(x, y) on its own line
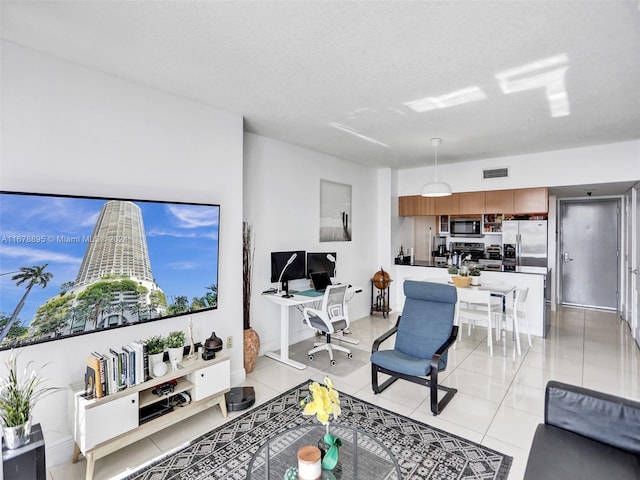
point(436, 189)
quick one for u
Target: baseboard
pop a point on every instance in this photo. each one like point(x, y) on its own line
point(59, 452)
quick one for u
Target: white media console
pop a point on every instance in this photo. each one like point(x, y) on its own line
point(104, 425)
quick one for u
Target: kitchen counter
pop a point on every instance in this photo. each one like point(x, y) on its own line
point(532, 277)
point(519, 269)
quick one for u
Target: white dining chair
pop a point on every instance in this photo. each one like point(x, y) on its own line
point(475, 308)
point(516, 314)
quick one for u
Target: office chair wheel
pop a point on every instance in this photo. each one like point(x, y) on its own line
point(333, 362)
point(349, 355)
point(311, 357)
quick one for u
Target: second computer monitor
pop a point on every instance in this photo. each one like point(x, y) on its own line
point(321, 262)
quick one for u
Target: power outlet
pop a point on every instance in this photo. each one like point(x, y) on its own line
point(229, 342)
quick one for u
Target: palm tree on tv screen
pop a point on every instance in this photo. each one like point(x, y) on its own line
point(32, 276)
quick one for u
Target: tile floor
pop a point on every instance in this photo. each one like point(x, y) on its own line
point(499, 403)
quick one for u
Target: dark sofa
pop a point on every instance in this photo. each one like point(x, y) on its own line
point(586, 435)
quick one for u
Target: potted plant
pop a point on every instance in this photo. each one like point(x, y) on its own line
point(462, 279)
point(18, 397)
point(155, 348)
point(453, 271)
point(474, 273)
point(251, 340)
point(175, 345)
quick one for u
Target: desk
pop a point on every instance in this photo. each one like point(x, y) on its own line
point(296, 300)
point(285, 303)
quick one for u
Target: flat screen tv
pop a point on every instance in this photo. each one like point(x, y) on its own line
point(73, 265)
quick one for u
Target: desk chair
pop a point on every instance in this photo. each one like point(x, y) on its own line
point(330, 318)
point(424, 332)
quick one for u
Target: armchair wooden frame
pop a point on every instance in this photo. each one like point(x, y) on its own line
point(430, 381)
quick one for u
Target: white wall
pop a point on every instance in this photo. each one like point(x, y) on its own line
point(71, 130)
point(282, 202)
point(614, 162)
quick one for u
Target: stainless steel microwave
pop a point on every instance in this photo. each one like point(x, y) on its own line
point(466, 227)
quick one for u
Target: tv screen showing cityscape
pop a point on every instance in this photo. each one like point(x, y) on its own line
point(74, 265)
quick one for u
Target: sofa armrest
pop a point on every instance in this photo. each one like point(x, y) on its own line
point(606, 418)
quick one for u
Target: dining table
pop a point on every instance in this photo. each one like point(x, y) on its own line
point(499, 290)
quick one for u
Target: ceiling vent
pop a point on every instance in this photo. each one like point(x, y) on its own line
point(495, 173)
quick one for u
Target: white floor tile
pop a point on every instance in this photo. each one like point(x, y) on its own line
point(502, 426)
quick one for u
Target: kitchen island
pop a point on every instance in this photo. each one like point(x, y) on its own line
point(533, 277)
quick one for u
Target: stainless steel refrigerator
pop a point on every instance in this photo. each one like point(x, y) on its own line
point(524, 243)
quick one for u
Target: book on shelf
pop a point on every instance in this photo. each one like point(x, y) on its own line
point(90, 383)
point(131, 364)
point(138, 347)
point(112, 371)
point(120, 373)
point(117, 369)
point(94, 363)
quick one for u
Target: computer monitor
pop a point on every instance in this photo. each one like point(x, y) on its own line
point(295, 270)
point(321, 262)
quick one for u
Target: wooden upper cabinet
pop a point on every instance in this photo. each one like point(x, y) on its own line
point(472, 203)
point(407, 206)
point(531, 200)
point(413, 205)
point(499, 201)
point(448, 205)
point(523, 200)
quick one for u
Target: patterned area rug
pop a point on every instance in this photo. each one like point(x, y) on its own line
point(423, 452)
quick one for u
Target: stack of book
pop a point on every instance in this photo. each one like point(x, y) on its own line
point(116, 369)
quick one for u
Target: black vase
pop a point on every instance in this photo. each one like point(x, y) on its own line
point(213, 343)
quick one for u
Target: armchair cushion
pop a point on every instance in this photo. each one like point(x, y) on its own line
point(400, 362)
point(560, 454)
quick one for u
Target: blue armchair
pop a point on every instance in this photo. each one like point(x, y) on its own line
point(424, 332)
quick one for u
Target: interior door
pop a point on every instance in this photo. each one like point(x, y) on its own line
point(589, 247)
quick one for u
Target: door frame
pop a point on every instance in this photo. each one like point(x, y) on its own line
point(620, 242)
point(631, 305)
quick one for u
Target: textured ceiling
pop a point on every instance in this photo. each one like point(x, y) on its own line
point(371, 82)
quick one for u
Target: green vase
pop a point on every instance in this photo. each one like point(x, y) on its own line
point(329, 451)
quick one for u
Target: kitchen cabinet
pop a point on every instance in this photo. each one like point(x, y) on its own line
point(498, 201)
point(471, 203)
point(105, 425)
point(531, 200)
point(508, 202)
point(448, 205)
point(414, 205)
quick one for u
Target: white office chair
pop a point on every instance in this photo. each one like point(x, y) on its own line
point(475, 308)
point(331, 318)
point(517, 313)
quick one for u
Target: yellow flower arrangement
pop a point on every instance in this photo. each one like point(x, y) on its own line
point(322, 401)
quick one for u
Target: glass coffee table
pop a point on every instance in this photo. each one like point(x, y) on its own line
point(362, 456)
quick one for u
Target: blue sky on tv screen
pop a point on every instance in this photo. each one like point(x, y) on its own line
point(34, 230)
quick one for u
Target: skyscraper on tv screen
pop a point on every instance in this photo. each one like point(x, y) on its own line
point(117, 249)
point(118, 246)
